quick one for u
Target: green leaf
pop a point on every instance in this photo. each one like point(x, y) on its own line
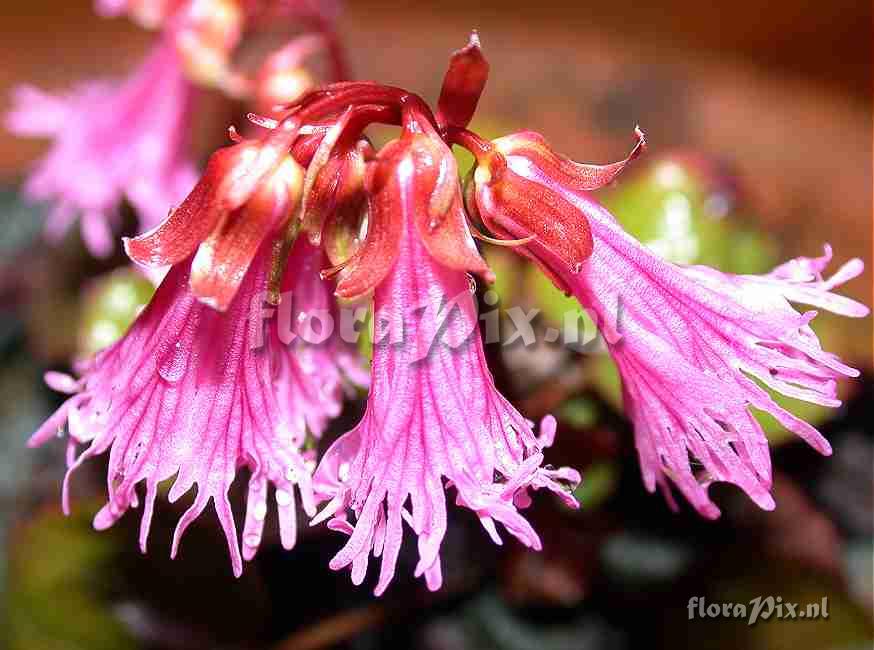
point(109, 306)
point(599, 482)
point(59, 580)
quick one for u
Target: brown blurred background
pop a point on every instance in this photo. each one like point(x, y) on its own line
point(782, 90)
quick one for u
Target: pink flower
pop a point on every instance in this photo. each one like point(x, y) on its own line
point(190, 392)
point(433, 413)
point(111, 142)
point(311, 363)
point(693, 345)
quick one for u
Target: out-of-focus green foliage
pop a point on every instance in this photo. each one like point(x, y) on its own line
point(578, 412)
point(490, 624)
point(20, 219)
point(599, 482)
point(365, 337)
point(845, 627)
point(58, 586)
point(641, 560)
point(859, 565)
point(684, 210)
point(504, 263)
point(109, 306)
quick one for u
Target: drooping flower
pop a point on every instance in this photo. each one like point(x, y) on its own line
point(434, 418)
point(110, 141)
point(311, 362)
point(693, 346)
point(189, 392)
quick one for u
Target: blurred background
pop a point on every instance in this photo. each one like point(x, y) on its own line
point(759, 120)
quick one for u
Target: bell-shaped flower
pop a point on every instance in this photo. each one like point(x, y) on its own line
point(513, 206)
point(111, 142)
point(694, 346)
point(190, 392)
point(434, 418)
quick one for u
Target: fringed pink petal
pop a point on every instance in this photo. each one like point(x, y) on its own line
point(433, 419)
point(311, 365)
point(36, 113)
point(188, 393)
point(694, 347)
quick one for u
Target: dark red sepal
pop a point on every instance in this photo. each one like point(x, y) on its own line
point(561, 169)
point(222, 260)
point(174, 239)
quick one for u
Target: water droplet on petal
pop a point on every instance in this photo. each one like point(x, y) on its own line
point(172, 363)
point(283, 498)
point(252, 540)
point(260, 511)
point(291, 474)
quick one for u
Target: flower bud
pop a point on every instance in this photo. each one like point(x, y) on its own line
point(207, 34)
point(520, 189)
point(282, 78)
point(463, 84)
point(334, 183)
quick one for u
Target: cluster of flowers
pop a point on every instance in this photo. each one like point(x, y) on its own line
point(196, 391)
point(129, 140)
